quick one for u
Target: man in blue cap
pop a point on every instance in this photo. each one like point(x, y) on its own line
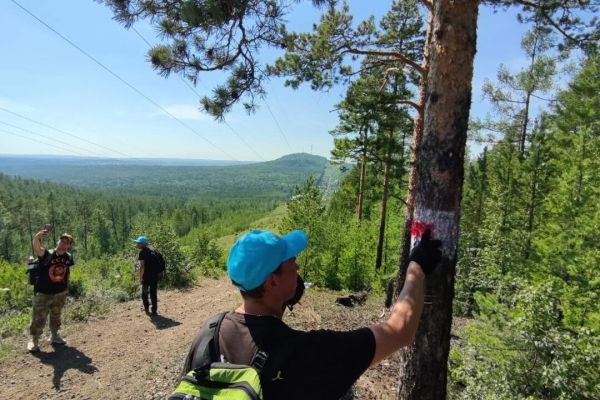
point(148, 275)
point(320, 364)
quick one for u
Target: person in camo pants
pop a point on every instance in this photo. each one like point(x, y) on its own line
point(50, 290)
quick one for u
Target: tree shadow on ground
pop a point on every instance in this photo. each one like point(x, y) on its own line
point(63, 358)
point(162, 322)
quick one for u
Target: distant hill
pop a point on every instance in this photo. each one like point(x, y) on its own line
point(271, 179)
point(16, 161)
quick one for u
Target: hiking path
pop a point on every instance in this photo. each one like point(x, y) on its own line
point(126, 354)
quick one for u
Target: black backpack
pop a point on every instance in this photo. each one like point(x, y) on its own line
point(33, 270)
point(157, 262)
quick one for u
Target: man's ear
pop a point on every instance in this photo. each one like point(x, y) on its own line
point(270, 282)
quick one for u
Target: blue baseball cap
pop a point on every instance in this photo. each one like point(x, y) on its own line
point(141, 240)
point(257, 254)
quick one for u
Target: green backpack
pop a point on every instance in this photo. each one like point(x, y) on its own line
point(215, 380)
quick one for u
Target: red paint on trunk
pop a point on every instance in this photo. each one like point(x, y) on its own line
point(418, 229)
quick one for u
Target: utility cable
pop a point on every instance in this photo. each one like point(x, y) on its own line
point(50, 138)
point(242, 139)
point(62, 131)
point(123, 80)
point(193, 90)
point(279, 126)
point(42, 142)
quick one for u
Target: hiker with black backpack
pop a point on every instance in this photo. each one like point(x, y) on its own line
point(151, 265)
point(251, 352)
point(49, 276)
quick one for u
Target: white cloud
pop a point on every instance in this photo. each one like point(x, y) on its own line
point(182, 111)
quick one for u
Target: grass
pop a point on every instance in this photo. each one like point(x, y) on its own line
point(95, 286)
point(269, 222)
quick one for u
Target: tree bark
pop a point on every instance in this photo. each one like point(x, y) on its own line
point(412, 179)
point(533, 196)
point(525, 125)
point(361, 178)
point(384, 200)
point(438, 190)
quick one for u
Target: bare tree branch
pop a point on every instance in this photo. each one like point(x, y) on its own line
point(416, 106)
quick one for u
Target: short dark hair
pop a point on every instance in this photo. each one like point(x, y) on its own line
point(258, 292)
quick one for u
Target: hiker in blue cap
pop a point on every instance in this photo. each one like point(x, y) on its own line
point(293, 364)
point(149, 274)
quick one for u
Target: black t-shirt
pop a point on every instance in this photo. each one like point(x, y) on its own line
point(54, 272)
point(150, 273)
point(314, 365)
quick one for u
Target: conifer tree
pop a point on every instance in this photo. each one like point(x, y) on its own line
point(512, 96)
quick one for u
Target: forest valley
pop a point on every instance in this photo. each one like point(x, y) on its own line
point(518, 209)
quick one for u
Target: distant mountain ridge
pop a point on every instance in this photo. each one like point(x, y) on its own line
point(30, 159)
point(270, 179)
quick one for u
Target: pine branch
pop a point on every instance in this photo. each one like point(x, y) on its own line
point(549, 19)
point(398, 56)
point(416, 106)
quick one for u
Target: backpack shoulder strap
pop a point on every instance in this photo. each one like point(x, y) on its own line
point(215, 327)
point(46, 260)
point(209, 350)
point(207, 344)
point(259, 360)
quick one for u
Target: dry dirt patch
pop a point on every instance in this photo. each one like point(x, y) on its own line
point(128, 355)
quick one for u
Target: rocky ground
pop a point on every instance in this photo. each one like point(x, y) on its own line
point(128, 355)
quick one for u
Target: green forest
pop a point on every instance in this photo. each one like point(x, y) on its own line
point(526, 294)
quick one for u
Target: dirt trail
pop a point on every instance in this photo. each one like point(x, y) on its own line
point(125, 355)
point(128, 355)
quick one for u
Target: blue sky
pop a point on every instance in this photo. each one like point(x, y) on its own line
point(44, 78)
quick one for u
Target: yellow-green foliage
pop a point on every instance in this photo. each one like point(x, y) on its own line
point(15, 293)
point(94, 284)
point(114, 275)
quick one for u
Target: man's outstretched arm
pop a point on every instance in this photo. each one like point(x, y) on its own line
point(37, 245)
point(401, 327)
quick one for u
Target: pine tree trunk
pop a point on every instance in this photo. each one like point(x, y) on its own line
point(533, 198)
point(412, 179)
point(525, 125)
point(438, 191)
point(361, 179)
point(113, 220)
point(523, 138)
point(384, 199)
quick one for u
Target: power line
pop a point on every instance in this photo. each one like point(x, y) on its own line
point(185, 81)
point(278, 126)
point(242, 139)
point(42, 142)
point(62, 131)
point(50, 138)
point(122, 79)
